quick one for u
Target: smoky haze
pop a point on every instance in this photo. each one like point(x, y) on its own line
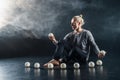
point(31, 18)
point(36, 18)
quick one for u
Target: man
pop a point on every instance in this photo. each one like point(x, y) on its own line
point(75, 47)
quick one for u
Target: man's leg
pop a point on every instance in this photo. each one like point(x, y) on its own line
point(60, 53)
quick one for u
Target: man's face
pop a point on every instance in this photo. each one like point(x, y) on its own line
point(75, 24)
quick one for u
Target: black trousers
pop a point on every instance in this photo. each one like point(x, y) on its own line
point(68, 53)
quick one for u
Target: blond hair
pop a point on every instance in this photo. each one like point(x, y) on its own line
point(79, 18)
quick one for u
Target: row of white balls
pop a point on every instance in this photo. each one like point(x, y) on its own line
point(63, 65)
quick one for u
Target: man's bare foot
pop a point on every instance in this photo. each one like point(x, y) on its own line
point(53, 61)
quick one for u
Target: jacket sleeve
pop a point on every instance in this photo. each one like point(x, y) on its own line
point(65, 39)
point(92, 42)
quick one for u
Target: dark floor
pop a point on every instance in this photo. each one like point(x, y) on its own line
point(13, 69)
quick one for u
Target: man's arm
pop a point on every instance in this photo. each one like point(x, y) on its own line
point(93, 44)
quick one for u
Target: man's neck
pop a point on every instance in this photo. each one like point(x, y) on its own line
point(79, 30)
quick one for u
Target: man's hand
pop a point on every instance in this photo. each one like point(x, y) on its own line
point(101, 54)
point(52, 37)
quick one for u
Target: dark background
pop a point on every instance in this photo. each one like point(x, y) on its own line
point(28, 22)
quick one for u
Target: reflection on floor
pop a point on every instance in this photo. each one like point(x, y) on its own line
point(13, 69)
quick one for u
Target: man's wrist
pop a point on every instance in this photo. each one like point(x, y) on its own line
point(55, 41)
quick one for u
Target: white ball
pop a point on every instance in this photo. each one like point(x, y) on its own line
point(50, 34)
point(76, 65)
point(27, 64)
point(63, 65)
point(103, 52)
point(99, 62)
point(36, 65)
point(91, 64)
point(50, 65)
